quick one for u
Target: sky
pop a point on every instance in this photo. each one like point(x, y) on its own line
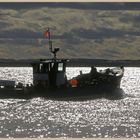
point(81, 30)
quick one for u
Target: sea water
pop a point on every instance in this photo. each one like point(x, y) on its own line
point(41, 117)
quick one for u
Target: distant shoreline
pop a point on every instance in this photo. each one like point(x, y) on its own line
point(73, 63)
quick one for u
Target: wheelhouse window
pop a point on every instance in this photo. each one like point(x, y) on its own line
point(60, 66)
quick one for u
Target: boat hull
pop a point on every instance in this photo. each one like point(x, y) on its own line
point(62, 93)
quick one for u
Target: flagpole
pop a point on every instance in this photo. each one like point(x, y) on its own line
point(50, 42)
point(55, 50)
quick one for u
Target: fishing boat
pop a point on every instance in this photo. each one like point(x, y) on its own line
point(49, 78)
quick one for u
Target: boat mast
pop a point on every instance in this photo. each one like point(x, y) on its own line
point(55, 50)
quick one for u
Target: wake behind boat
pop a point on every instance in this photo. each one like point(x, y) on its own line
point(49, 78)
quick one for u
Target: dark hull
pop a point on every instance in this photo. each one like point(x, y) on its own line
point(76, 93)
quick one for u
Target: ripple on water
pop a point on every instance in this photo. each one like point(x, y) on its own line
point(39, 117)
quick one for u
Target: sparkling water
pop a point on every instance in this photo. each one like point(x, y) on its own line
point(39, 117)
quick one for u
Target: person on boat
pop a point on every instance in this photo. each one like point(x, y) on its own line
point(107, 71)
point(93, 75)
point(93, 71)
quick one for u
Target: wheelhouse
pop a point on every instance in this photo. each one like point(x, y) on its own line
point(49, 73)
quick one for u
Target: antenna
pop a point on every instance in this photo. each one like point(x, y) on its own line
point(48, 35)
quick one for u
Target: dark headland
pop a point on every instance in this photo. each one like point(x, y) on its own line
point(73, 63)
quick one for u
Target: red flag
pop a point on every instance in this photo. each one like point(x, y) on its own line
point(46, 34)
